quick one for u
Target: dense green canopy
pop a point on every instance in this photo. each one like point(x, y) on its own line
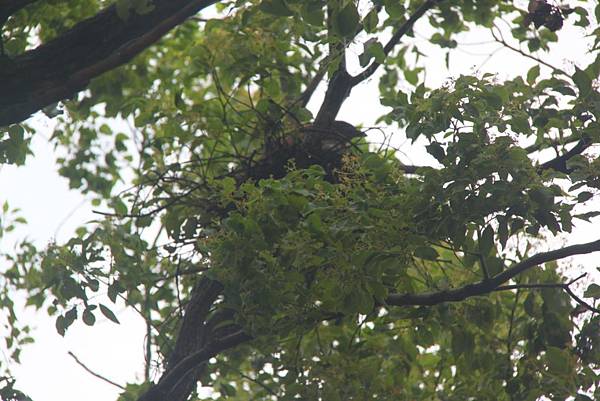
point(278, 253)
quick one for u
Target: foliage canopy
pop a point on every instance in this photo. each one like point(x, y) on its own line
point(277, 253)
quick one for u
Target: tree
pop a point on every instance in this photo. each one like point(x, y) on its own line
point(273, 252)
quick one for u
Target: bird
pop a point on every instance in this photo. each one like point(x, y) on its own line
point(336, 138)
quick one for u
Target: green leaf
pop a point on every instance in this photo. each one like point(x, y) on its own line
point(120, 207)
point(114, 289)
point(494, 265)
point(486, 242)
point(331, 392)
point(62, 323)
point(584, 196)
point(366, 303)
point(583, 17)
point(565, 90)
point(542, 196)
point(359, 301)
point(189, 227)
point(345, 22)
point(59, 324)
point(372, 49)
point(313, 14)
point(412, 75)
point(530, 305)
point(394, 9)
point(558, 360)
point(566, 220)
point(502, 230)
point(532, 74)
point(16, 132)
point(109, 314)
point(371, 21)
point(593, 291)
point(426, 252)
point(70, 316)
point(493, 99)
point(583, 82)
point(520, 123)
point(462, 341)
point(314, 224)
point(436, 150)
point(88, 317)
point(276, 7)
point(227, 389)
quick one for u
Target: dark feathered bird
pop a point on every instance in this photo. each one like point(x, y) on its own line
point(335, 138)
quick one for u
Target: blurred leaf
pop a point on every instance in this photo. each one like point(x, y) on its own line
point(109, 314)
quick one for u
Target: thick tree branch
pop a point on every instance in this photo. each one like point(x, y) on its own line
point(193, 335)
point(313, 84)
point(338, 88)
point(320, 74)
point(487, 286)
point(162, 390)
point(342, 83)
point(205, 331)
point(337, 92)
point(62, 67)
point(394, 40)
point(560, 163)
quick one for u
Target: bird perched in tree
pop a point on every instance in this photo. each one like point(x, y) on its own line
point(336, 138)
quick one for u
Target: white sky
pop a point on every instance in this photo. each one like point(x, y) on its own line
point(47, 373)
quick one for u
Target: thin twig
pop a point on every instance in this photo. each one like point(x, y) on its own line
point(484, 269)
point(536, 147)
point(509, 335)
point(148, 345)
point(253, 380)
point(99, 376)
point(394, 40)
point(581, 301)
point(563, 286)
point(168, 204)
point(524, 54)
point(487, 286)
point(148, 314)
point(533, 286)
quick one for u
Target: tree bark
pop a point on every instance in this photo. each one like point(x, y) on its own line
point(64, 66)
point(205, 332)
point(193, 335)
